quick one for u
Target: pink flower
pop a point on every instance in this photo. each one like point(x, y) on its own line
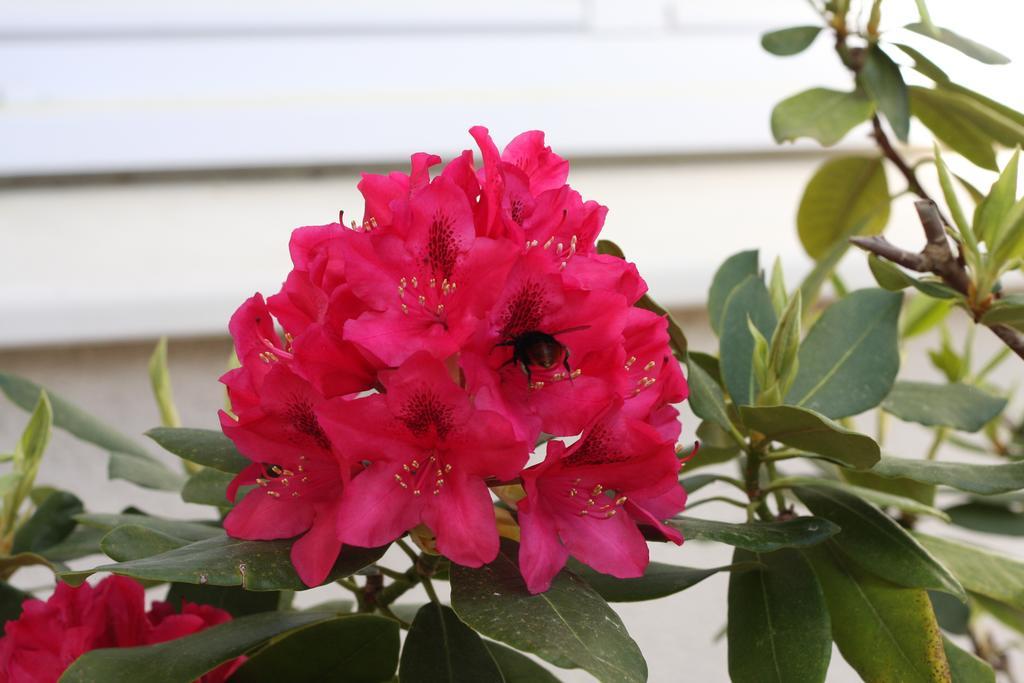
point(299, 474)
point(581, 328)
point(50, 635)
point(587, 500)
point(655, 377)
point(426, 277)
point(428, 453)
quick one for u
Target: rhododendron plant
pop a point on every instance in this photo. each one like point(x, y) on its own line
point(469, 391)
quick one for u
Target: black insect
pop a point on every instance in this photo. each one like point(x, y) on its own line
point(536, 349)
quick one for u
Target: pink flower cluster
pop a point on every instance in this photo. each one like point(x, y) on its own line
point(426, 351)
point(50, 635)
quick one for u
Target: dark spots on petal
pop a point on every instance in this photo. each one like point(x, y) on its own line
point(598, 448)
point(442, 246)
point(524, 311)
point(302, 418)
point(425, 410)
point(515, 210)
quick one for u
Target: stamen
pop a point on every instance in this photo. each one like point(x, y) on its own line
point(275, 494)
point(650, 365)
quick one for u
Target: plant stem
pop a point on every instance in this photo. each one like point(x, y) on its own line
point(940, 437)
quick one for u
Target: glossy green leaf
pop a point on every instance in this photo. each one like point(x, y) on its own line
point(789, 41)
point(983, 479)
point(779, 627)
point(570, 625)
point(965, 667)
point(183, 660)
point(190, 531)
point(130, 542)
point(882, 499)
point(440, 647)
point(960, 406)
point(232, 599)
point(847, 196)
point(953, 616)
point(516, 667)
point(69, 417)
point(884, 82)
point(923, 313)
point(710, 455)
point(992, 211)
point(11, 563)
point(887, 633)
point(145, 472)
point(980, 571)
point(758, 537)
point(891, 277)
point(160, 380)
point(897, 486)
point(877, 543)
point(750, 301)
point(1008, 311)
point(850, 357)
point(733, 271)
point(810, 431)
point(223, 561)
point(201, 446)
point(706, 398)
point(659, 580)
point(359, 648)
point(989, 519)
point(79, 543)
point(972, 49)
point(208, 487)
point(819, 113)
point(965, 125)
point(50, 524)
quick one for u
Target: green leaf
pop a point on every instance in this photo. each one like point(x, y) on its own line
point(889, 276)
point(983, 479)
point(145, 472)
point(965, 667)
point(659, 580)
point(985, 55)
point(28, 454)
point(183, 660)
point(992, 211)
point(819, 113)
point(676, 337)
point(706, 398)
point(778, 622)
point(847, 196)
point(898, 486)
point(980, 571)
point(11, 600)
point(50, 524)
point(130, 542)
point(223, 561)
point(68, 417)
point(990, 519)
point(733, 272)
point(965, 227)
point(359, 648)
point(882, 499)
point(440, 647)
point(952, 615)
point(190, 531)
point(877, 543)
point(923, 65)
point(810, 431)
point(960, 406)
point(884, 82)
point(11, 563)
point(850, 357)
point(160, 380)
point(758, 537)
point(234, 600)
point(1008, 311)
point(789, 41)
point(965, 125)
point(517, 667)
point(710, 455)
point(922, 313)
point(885, 632)
point(569, 625)
point(750, 301)
point(201, 446)
point(79, 543)
point(208, 487)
